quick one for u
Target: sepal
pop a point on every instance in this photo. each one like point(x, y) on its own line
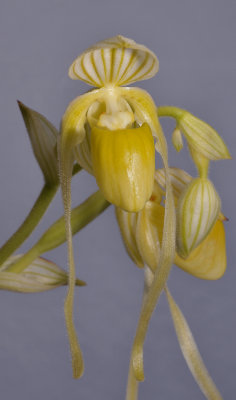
point(115, 61)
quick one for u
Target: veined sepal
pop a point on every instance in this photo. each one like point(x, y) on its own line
point(124, 164)
point(43, 137)
point(115, 61)
point(41, 275)
point(197, 211)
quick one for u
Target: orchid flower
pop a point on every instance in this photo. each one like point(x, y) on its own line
point(165, 216)
point(112, 132)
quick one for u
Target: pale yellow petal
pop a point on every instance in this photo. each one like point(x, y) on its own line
point(145, 109)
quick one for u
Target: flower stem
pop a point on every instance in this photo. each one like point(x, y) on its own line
point(132, 384)
point(33, 218)
point(170, 111)
point(56, 235)
point(23, 232)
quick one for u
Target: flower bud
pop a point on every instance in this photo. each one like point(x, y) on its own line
point(198, 209)
point(177, 139)
point(178, 177)
point(39, 276)
point(43, 137)
point(202, 137)
point(124, 164)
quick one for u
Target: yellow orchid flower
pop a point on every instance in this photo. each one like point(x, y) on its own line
point(112, 129)
point(165, 216)
point(112, 132)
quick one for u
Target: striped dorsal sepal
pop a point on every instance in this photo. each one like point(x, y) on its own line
point(116, 61)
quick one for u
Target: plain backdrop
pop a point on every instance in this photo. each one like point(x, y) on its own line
point(195, 44)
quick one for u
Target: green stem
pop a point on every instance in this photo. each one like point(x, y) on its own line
point(56, 235)
point(170, 111)
point(33, 218)
point(132, 384)
point(39, 208)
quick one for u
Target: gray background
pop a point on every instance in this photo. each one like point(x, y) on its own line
point(195, 43)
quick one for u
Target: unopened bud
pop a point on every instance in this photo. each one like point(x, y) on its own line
point(177, 139)
point(202, 137)
point(198, 209)
point(39, 276)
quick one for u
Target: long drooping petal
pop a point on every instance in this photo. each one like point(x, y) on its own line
point(144, 106)
point(72, 133)
point(191, 352)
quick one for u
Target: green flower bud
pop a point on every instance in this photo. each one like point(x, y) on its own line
point(198, 210)
point(177, 139)
point(39, 276)
point(202, 137)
